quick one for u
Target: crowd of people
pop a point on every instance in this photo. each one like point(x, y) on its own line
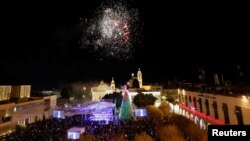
point(155, 125)
point(56, 129)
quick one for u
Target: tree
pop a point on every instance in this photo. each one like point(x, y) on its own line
point(155, 114)
point(86, 137)
point(143, 137)
point(74, 90)
point(165, 108)
point(188, 128)
point(87, 96)
point(119, 137)
point(170, 99)
point(170, 133)
point(126, 109)
point(194, 133)
point(66, 92)
point(143, 100)
point(115, 98)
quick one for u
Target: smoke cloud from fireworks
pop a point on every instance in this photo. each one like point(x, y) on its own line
point(113, 32)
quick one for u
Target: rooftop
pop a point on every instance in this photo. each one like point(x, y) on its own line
point(18, 100)
point(234, 91)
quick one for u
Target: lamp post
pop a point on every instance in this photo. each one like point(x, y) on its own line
point(84, 89)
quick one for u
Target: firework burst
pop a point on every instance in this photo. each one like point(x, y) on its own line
point(113, 32)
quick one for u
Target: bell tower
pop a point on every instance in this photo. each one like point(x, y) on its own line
point(139, 77)
point(112, 85)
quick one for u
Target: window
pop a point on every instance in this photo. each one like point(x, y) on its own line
point(186, 100)
point(207, 107)
point(36, 118)
point(190, 102)
point(194, 100)
point(239, 116)
point(26, 121)
point(182, 99)
point(216, 115)
point(225, 110)
point(200, 104)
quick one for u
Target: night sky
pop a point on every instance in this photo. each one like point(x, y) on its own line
point(41, 43)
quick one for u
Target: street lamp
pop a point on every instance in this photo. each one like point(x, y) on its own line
point(84, 89)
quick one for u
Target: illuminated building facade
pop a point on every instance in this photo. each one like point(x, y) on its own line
point(23, 110)
point(135, 84)
point(5, 93)
point(100, 91)
point(155, 90)
point(208, 108)
point(20, 91)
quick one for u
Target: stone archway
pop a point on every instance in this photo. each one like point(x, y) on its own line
point(180, 111)
point(202, 124)
point(196, 120)
point(187, 115)
point(183, 112)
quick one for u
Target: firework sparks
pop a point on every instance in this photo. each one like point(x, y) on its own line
point(113, 25)
point(113, 32)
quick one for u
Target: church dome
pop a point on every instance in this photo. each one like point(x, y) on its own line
point(102, 87)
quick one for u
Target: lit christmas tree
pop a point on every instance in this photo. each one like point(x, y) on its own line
point(126, 110)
